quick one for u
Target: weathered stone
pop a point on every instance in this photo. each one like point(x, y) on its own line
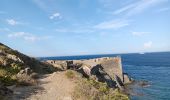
point(102, 76)
point(14, 57)
point(58, 64)
point(113, 67)
point(86, 69)
point(126, 78)
point(104, 69)
point(119, 82)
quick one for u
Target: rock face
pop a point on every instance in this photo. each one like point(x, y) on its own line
point(107, 69)
point(113, 66)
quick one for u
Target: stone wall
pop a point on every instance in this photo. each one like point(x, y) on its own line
point(111, 66)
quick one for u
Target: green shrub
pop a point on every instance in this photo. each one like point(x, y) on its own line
point(7, 80)
point(15, 68)
point(8, 75)
point(117, 95)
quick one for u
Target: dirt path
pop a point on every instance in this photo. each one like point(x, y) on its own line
point(54, 86)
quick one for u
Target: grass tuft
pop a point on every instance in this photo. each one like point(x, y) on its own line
point(70, 74)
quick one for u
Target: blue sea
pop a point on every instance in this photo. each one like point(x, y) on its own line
point(151, 67)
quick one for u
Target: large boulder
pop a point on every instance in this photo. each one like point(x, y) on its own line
point(126, 78)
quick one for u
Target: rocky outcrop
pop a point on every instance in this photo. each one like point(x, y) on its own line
point(107, 69)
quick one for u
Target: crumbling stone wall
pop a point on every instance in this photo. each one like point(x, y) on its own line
point(107, 69)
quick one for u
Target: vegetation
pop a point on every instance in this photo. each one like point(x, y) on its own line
point(70, 74)
point(88, 89)
point(12, 62)
point(8, 74)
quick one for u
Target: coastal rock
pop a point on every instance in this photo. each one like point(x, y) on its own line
point(113, 67)
point(58, 64)
point(101, 69)
point(86, 69)
point(102, 76)
point(126, 78)
point(143, 83)
point(119, 82)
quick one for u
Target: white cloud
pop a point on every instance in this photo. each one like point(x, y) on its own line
point(138, 6)
point(27, 36)
point(163, 9)
point(31, 38)
point(55, 15)
point(75, 30)
point(17, 34)
point(113, 24)
point(12, 22)
point(148, 44)
point(139, 33)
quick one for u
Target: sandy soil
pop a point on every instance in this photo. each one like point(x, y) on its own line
point(54, 86)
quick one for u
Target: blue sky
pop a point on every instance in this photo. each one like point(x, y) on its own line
point(80, 27)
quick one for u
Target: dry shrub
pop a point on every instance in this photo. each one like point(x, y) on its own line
point(70, 74)
point(3, 72)
point(88, 89)
point(84, 91)
point(25, 80)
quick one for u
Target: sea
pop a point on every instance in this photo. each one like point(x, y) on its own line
point(151, 67)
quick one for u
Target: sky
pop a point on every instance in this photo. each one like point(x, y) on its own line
point(80, 27)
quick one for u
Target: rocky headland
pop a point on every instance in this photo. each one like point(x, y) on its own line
point(26, 78)
point(107, 69)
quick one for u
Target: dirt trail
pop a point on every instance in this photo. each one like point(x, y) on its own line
point(54, 86)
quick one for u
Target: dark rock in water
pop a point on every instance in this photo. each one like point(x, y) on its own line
point(134, 88)
point(143, 83)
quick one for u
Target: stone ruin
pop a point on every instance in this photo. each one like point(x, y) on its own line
point(106, 69)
